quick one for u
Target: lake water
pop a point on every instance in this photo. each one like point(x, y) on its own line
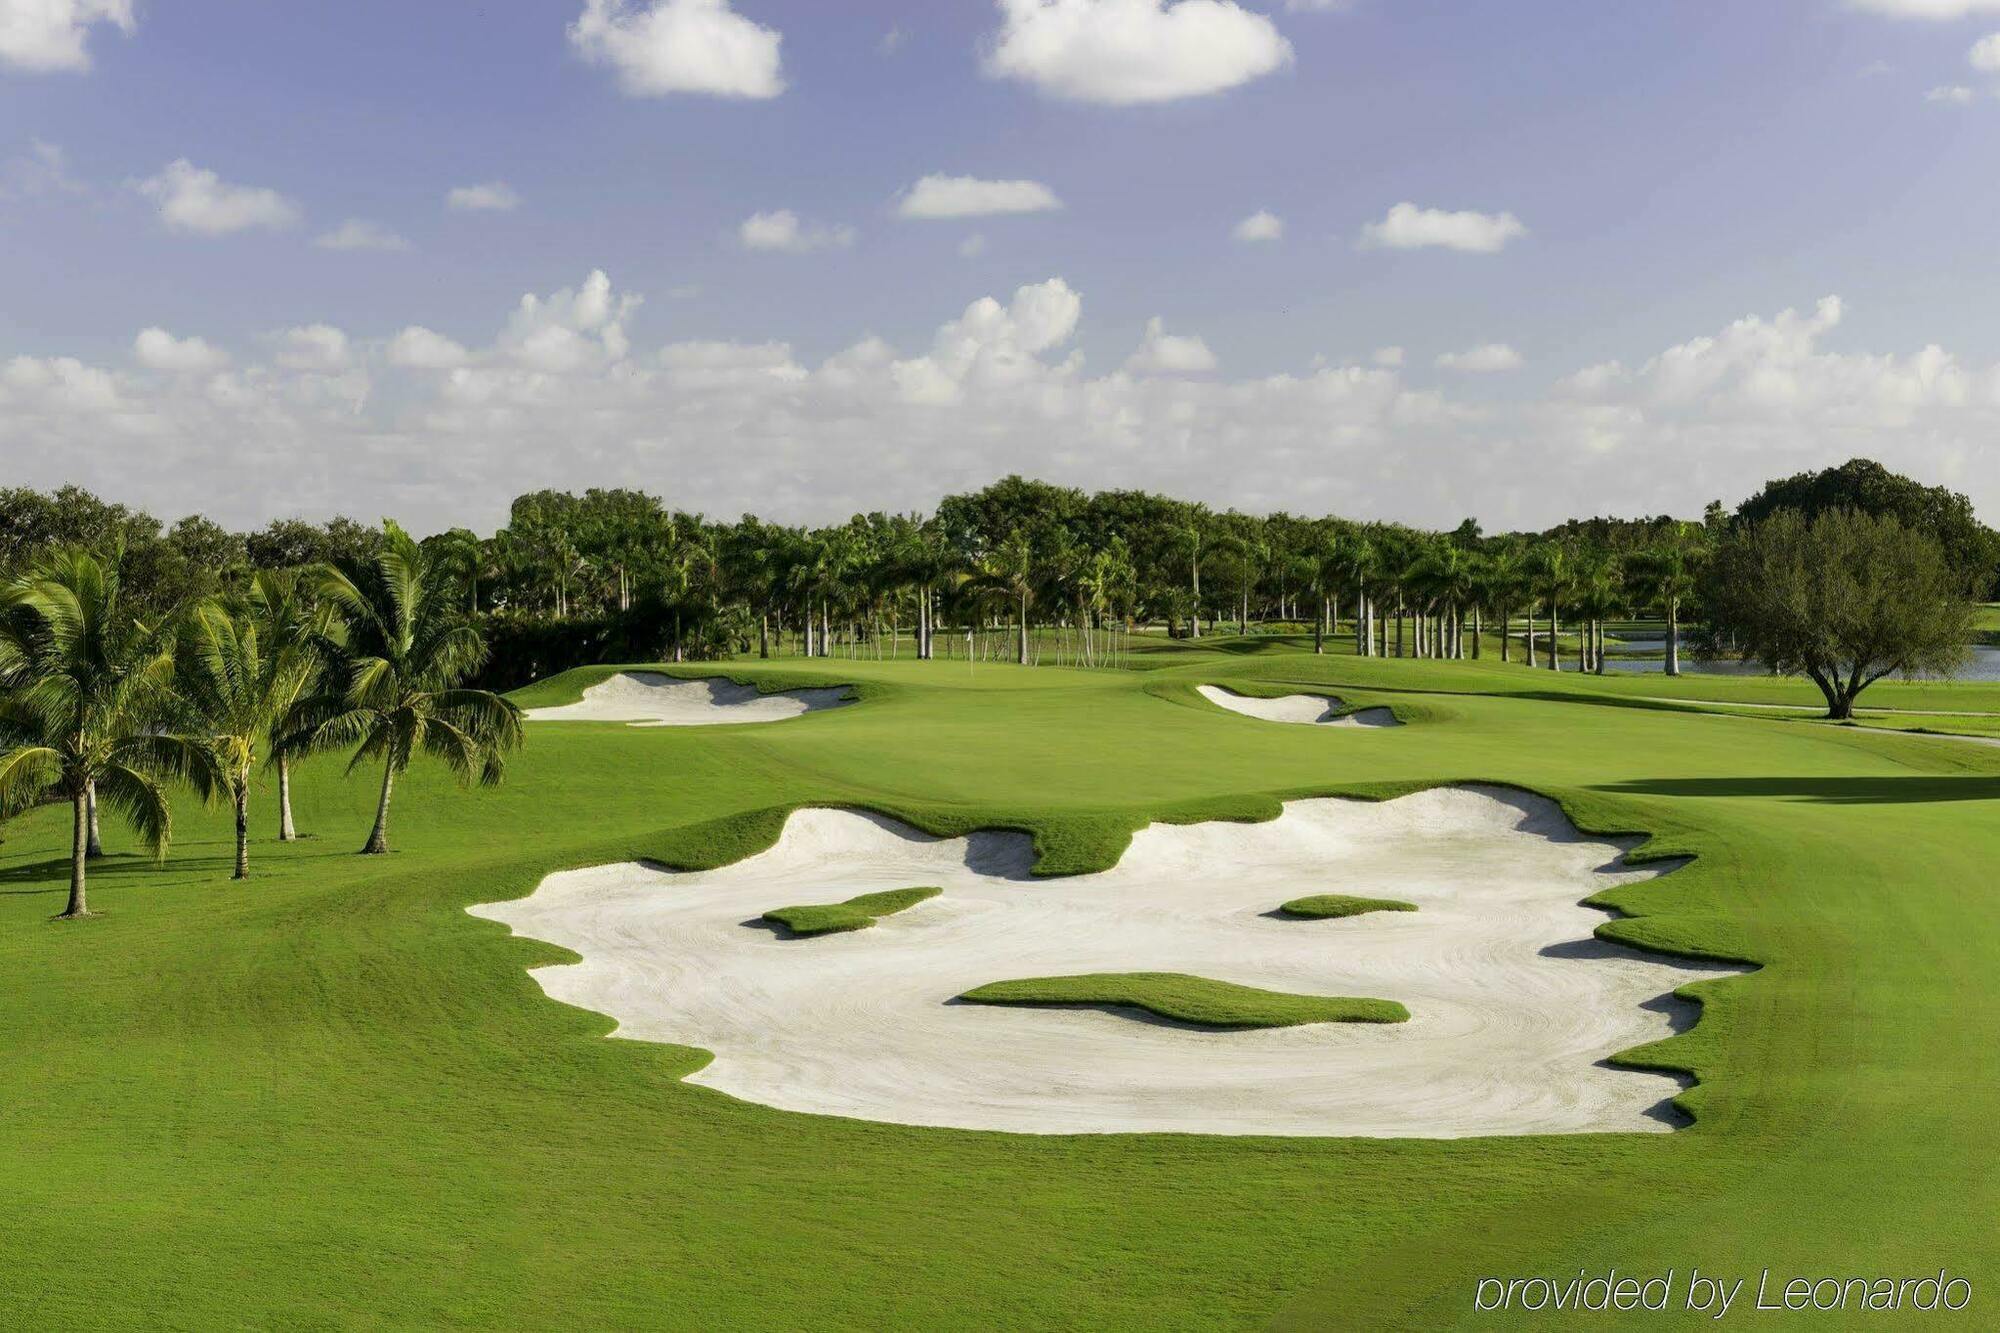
point(1983, 664)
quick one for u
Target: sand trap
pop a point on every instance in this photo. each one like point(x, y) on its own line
point(1319, 709)
point(1513, 1003)
point(648, 699)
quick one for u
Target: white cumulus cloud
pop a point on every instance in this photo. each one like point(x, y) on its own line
point(489, 197)
point(940, 196)
point(1926, 9)
point(419, 348)
point(316, 347)
point(1163, 353)
point(680, 46)
point(195, 199)
point(1124, 52)
point(1985, 54)
point(1951, 95)
point(360, 234)
point(783, 230)
point(159, 350)
point(1485, 359)
point(1263, 225)
point(44, 36)
point(1408, 227)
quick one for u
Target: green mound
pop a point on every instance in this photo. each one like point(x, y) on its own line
point(854, 914)
point(1323, 906)
point(1187, 999)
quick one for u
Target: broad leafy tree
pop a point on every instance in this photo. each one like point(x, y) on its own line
point(1842, 597)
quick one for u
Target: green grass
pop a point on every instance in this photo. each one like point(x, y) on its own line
point(329, 1097)
point(1200, 1001)
point(1322, 906)
point(857, 913)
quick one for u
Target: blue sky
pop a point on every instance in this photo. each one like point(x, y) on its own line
point(1678, 176)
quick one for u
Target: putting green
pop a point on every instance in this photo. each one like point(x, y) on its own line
point(1184, 999)
point(330, 1095)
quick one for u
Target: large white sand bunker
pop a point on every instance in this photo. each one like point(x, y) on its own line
point(1312, 709)
point(648, 699)
point(1513, 1004)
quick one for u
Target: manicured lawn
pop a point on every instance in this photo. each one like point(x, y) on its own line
point(1328, 906)
point(857, 913)
point(1201, 1001)
point(330, 1097)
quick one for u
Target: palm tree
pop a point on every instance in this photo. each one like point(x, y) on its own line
point(1670, 572)
point(397, 658)
point(88, 712)
point(290, 619)
point(1326, 570)
point(1551, 565)
point(1503, 581)
point(240, 681)
point(1011, 571)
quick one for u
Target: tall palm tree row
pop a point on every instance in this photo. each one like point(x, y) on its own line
point(99, 706)
point(88, 709)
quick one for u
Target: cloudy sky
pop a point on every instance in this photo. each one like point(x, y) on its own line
point(1387, 258)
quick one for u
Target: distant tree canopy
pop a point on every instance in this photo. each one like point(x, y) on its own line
point(1842, 596)
point(614, 574)
point(1866, 486)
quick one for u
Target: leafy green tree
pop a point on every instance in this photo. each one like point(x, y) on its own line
point(88, 710)
point(1866, 486)
point(1843, 597)
point(395, 663)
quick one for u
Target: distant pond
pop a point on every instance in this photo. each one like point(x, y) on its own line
point(1984, 664)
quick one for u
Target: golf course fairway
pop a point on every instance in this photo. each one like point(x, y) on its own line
point(330, 1094)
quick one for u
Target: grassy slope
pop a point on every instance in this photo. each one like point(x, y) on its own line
point(331, 1096)
point(857, 913)
point(1201, 1001)
point(1326, 906)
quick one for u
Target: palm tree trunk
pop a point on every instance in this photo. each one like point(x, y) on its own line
point(1555, 655)
point(1319, 629)
point(378, 837)
point(242, 795)
point(1194, 621)
point(287, 832)
point(1673, 636)
point(1024, 629)
point(95, 847)
point(79, 860)
point(764, 634)
point(1477, 630)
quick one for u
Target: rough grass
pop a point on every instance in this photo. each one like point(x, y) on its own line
point(327, 1097)
point(1189, 999)
point(856, 913)
point(1323, 906)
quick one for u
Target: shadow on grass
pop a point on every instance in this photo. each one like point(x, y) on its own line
point(1825, 791)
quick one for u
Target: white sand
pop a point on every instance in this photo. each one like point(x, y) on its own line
point(1513, 1004)
point(648, 699)
point(1320, 709)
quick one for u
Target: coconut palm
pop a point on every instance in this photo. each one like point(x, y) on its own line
point(239, 674)
point(290, 618)
point(1553, 573)
point(396, 660)
point(1670, 572)
point(1013, 572)
point(87, 708)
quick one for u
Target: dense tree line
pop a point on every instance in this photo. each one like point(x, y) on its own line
point(1020, 569)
